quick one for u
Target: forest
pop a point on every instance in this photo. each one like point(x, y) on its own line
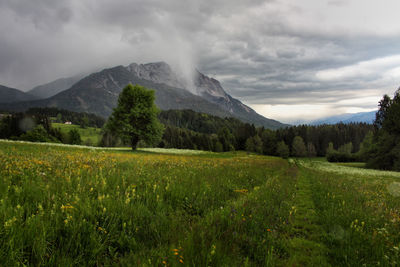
point(189, 129)
point(192, 130)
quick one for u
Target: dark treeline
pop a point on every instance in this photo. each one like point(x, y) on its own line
point(192, 130)
point(320, 136)
point(175, 137)
point(222, 134)
point(36, 125)
point(198, 122)
point(61, 115)
point(203, 131)
point(29, 127)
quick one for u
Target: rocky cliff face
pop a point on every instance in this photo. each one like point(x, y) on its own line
point(159, 72)
point(201, 85)
point(208, 88)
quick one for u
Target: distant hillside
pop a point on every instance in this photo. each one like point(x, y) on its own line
point(366, 117)
point(9, 95)
point(52, 88)
point(98, 94)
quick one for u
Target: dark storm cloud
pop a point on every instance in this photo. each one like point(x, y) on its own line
point(263, 52)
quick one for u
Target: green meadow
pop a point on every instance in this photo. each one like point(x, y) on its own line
point(75, 206)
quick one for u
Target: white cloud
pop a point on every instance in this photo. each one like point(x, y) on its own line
point(294, 114)
point(364, 70)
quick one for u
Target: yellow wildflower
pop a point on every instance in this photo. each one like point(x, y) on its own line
point(10, 222)
point(66, 207)
point(243, 191)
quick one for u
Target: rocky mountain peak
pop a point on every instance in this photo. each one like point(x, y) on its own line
point(159, 72)
point(209, 87)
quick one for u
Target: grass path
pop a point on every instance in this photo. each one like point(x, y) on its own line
point(305, 246)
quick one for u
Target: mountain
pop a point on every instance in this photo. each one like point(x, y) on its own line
point(52, 88)
point(366, 117)
point(9, 95)
point(98, 93)
point(208, 88)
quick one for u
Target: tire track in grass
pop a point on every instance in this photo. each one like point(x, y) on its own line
point(305, 247)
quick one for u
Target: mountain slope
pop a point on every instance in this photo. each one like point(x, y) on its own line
point(9, 95)
point(366, 117)
point(52, 88)
point(201, 85)
point(98, 93)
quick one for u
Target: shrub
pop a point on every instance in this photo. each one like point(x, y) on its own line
point(74, 137)
point(38, 134)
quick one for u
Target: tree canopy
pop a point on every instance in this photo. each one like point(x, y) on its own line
point(135, 117)
point(384, 152)
point(282, 150)
point(298, 147)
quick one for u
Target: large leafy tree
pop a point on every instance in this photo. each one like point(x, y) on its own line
point(135, 117)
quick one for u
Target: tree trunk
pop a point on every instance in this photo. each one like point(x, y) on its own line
point(134, 141)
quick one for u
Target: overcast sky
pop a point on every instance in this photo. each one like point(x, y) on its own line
point(289, 60)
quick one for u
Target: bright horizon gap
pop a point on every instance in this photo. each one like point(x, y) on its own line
point(304, 113)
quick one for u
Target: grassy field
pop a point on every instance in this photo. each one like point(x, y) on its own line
point(63, 205)
point(88, 135)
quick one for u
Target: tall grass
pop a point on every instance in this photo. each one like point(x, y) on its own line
point(359, 211)
point(64, 205)
point(68, 206)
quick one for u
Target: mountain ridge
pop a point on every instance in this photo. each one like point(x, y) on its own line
point(98, 93)
point(54, 87)
point(366, 117)
point(9, 95)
